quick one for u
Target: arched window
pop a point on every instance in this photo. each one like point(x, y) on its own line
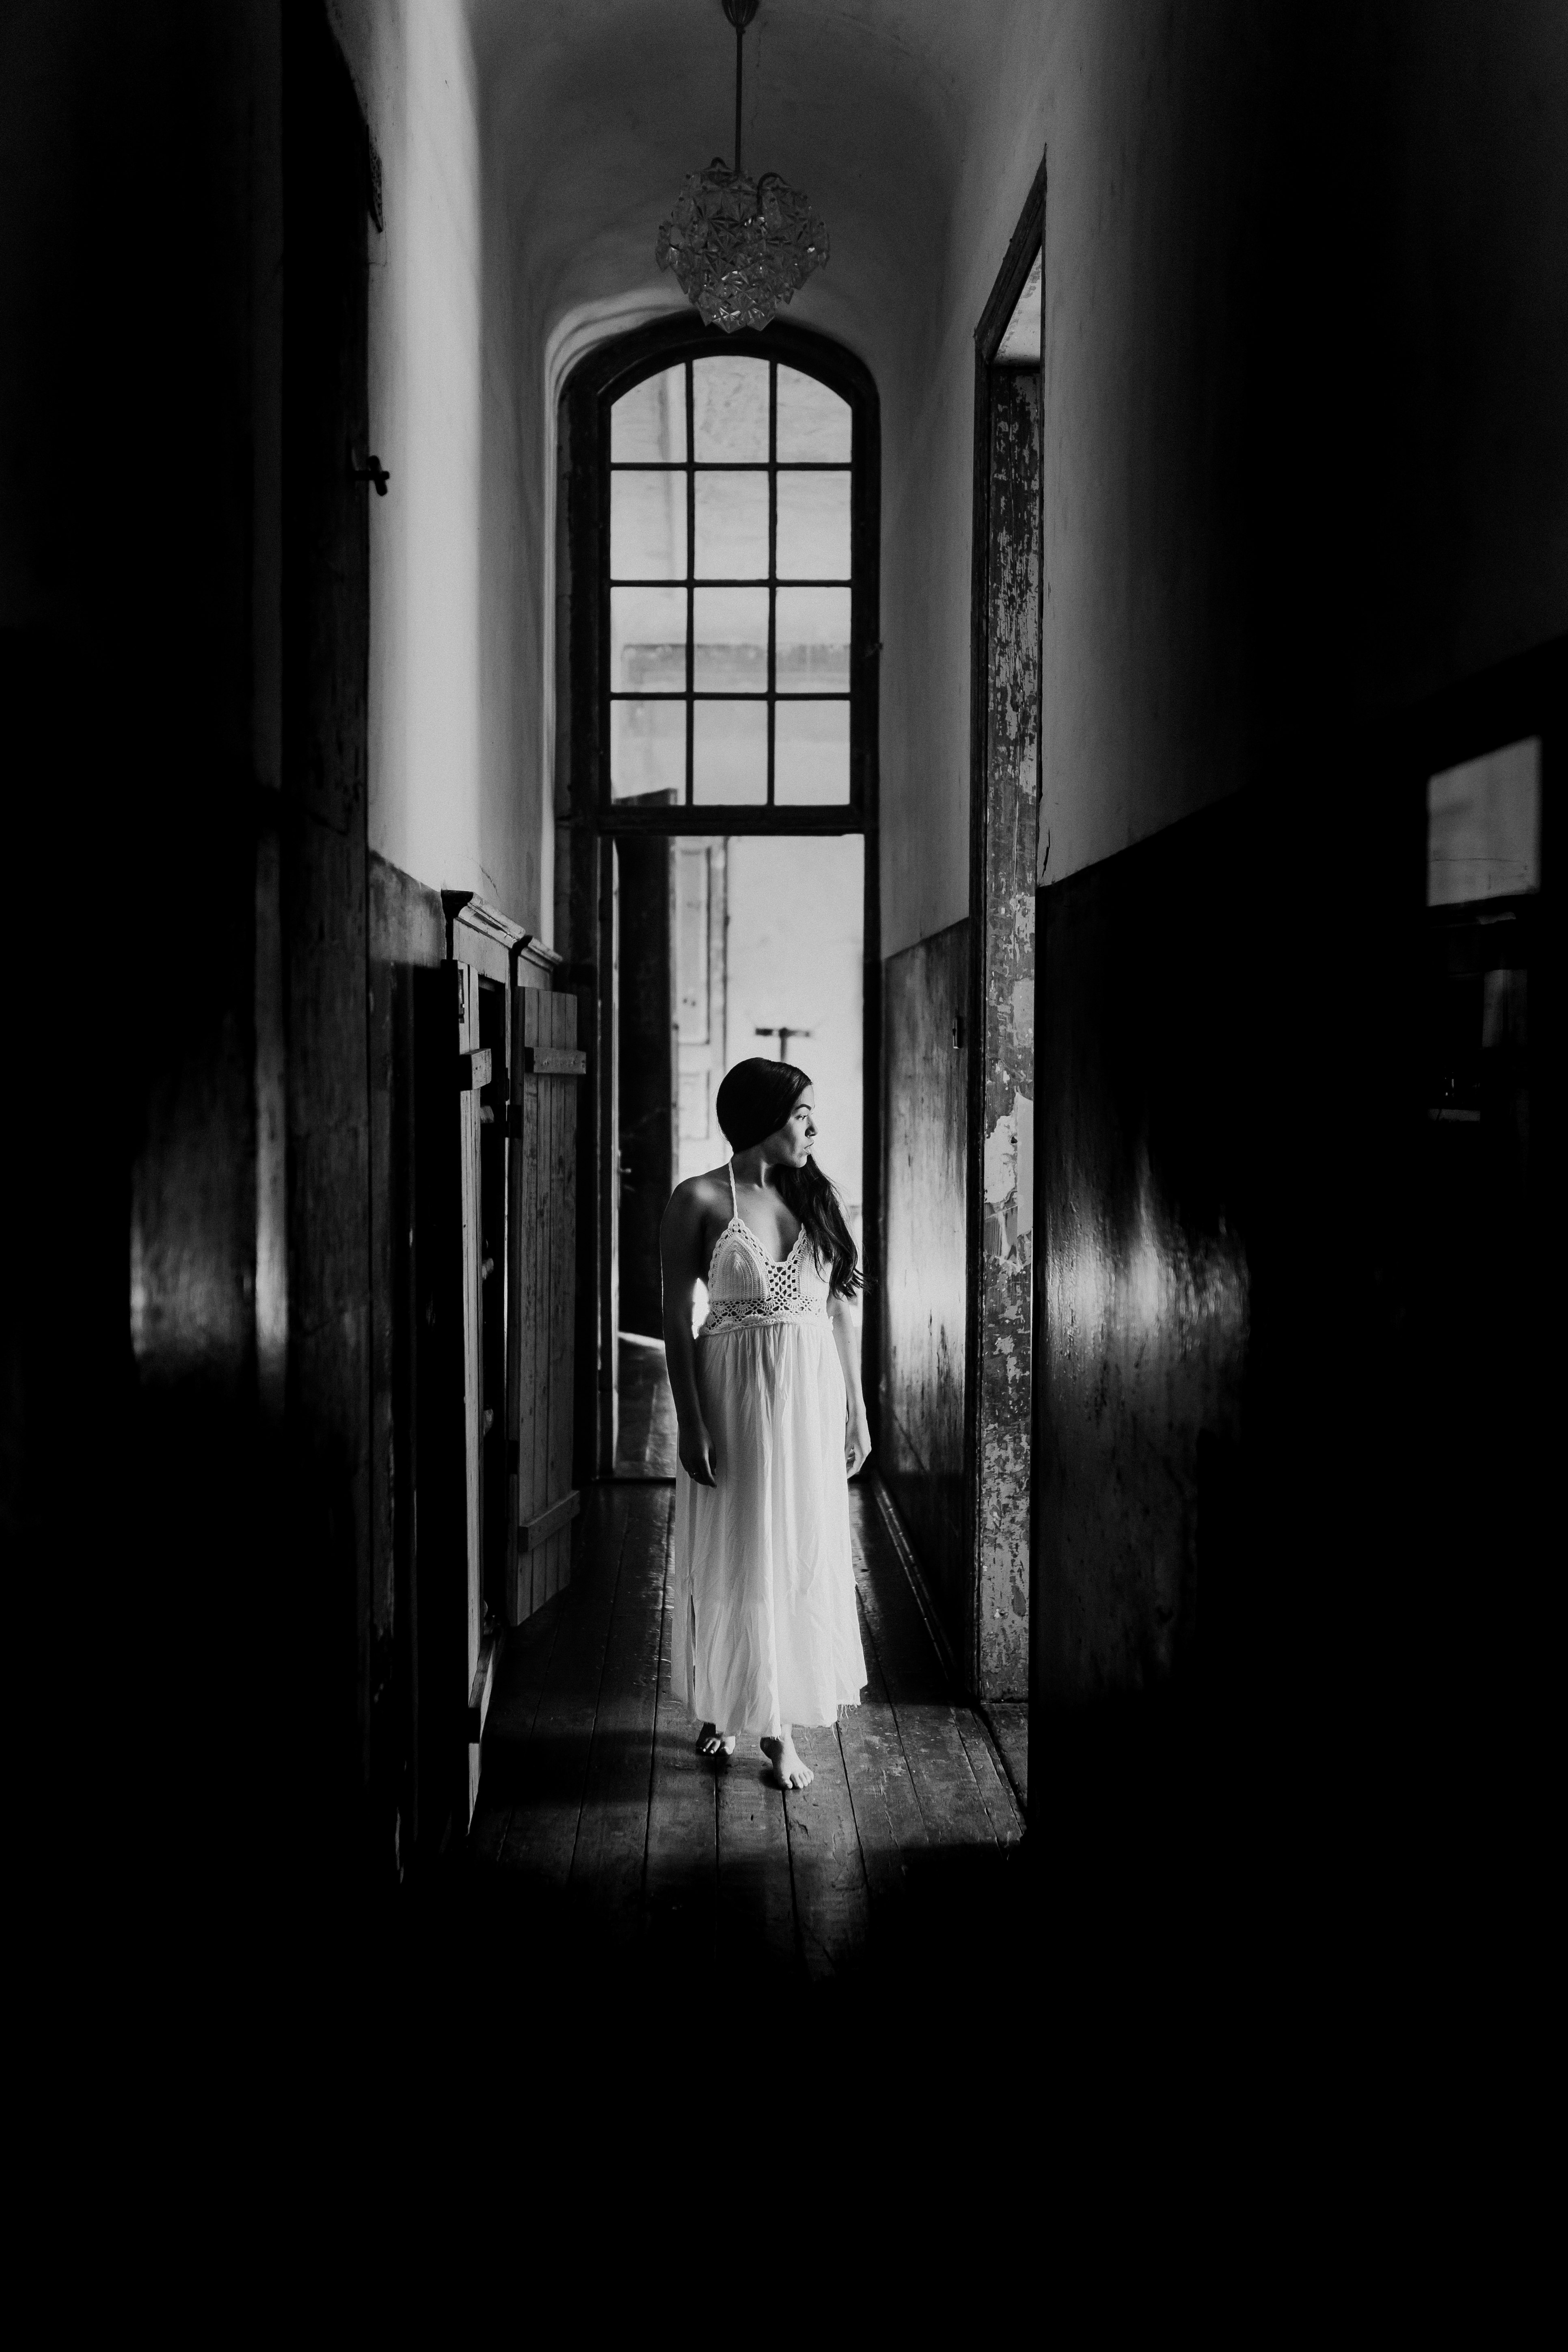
point(731, 490)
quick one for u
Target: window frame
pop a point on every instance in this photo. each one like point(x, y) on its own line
point(595, 384)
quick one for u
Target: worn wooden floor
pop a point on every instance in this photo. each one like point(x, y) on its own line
point(645, 1431)
point(594, 1805)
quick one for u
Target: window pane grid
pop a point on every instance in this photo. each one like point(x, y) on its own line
point(690, 584)
point(721, 763)
point(741, 579)
point(772, 559)
point(722, 466)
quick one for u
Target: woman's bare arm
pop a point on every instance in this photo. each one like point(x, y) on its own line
point(847, 1339)
point(680, 1260)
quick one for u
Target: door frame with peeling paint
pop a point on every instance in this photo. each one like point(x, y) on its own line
point(1005, 787)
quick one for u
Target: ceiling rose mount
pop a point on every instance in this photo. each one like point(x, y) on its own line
point(740, 246)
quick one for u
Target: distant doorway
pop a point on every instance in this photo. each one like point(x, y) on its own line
point(726, 945)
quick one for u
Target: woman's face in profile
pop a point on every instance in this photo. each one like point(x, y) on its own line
point(792, 1143)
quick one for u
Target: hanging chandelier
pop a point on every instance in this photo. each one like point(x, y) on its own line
point(740, 246)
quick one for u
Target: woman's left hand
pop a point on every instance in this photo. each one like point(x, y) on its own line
point(857, 1445)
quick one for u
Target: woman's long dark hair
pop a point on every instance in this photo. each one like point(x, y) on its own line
point(753, 1101)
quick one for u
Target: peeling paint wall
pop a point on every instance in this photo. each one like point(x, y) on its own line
point(1004, 945)
point(921, 1431)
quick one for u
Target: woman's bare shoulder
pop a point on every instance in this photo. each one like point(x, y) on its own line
point(699, 1195)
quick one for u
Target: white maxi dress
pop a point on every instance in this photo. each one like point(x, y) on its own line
point(765, 1629)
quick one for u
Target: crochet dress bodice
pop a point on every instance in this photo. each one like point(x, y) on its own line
point(747, 1288)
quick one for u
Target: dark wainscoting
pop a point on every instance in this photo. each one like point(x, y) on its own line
point(926, 1075)
point(1144, 1204)
point(1294, 1314)
point(409, 1023)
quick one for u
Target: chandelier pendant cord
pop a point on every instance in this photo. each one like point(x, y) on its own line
point(739, 56)
point(740, 247)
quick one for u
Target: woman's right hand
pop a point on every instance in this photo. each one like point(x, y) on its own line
point(696, 1454)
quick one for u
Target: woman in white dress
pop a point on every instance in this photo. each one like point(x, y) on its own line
point(773, 1423)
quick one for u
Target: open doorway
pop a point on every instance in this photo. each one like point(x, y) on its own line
point(726, 945)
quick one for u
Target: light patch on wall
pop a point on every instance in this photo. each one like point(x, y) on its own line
point(1020, 343)
point(188, 1312)
point(1159, 1282)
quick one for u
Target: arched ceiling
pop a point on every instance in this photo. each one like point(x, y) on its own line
point(596, 110)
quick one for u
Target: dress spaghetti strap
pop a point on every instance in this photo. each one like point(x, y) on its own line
point(734, 1204)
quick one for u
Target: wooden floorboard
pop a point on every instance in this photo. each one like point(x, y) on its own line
point(608, 1862)
point(591, 1785)
point(542, 1834)
point(990, 1777)
point(955, 1807)
point(647, 1436)
point(756, 1892)
point(514, 1704)
point(832, 1905)
point(888, 1817)
point(1009, 1721)
point(680, 1882)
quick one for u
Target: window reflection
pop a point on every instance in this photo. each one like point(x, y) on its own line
point(648, 526)
point(1483, 879)
point(647, 424)
point(729, 640)
point(814, 425)
point(813, 525)
point(812, 653)
point(811, 753)
point(1483, 827)
point(729, 753)
point(730, 410)
point(648, 640)
point(647, 749)
point(731, 527)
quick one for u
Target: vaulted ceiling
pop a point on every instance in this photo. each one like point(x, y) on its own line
point(596, 110)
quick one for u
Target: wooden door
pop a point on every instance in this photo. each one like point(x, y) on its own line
point(315, 1306)
point(547, 1068)
point(474, 1073)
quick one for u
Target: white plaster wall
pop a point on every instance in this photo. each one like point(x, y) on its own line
point(455, 569)
point(928, 473)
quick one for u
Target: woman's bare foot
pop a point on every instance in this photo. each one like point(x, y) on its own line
point(789, 1772)
point(711, 1741)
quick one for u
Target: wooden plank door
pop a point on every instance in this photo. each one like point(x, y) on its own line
point(473, 1075)
point(547, 1068)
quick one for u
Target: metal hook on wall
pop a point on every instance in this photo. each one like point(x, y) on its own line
point(373, 470)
